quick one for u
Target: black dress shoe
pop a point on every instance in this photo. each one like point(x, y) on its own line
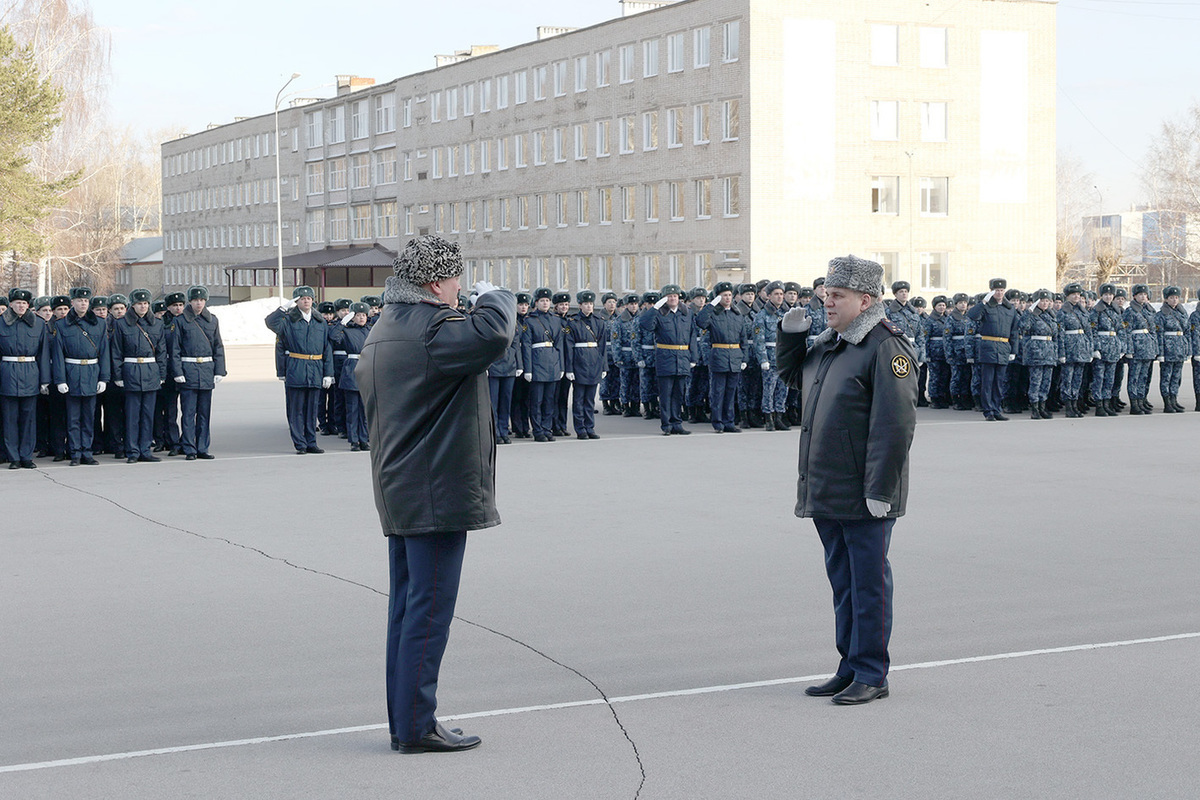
point(354, 447)
point(366, 447)
point(88, 461)
point(396, 739)
point(440, 740)
point(539, 438)
point(1000, 418)
point(150, 459)
point(667, 433)
point(300, 451)
point(131, 460)
point(582, 436)
point(680, 432)
point(858, 693)
point(14, 465)
point(205, 456)
point(60, 457)
point(593, 435)
point(175, 451)
point(74, 462)
point(830, 687)
point(190, 457)
point(732, 429)
point(118, 456)
point(28, 465)
point(313, 449)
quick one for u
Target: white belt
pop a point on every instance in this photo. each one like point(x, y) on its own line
point(353, 356)
point(542, 344)
point(935, 338)
point(626, 348)
point(1073, 333)
point(339, 352)
point(1106, 333)
point(1141, 330)
point(196, 360)
point(83, 362)
point(959, 337)
point(20, 359)
point(1172, 333)
point(1042, 338)
point(140, 361)
point(770, 344)
point(586, 344)
point(647, 347)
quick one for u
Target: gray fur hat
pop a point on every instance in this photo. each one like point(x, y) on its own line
point(858, 274)
point(427, 259)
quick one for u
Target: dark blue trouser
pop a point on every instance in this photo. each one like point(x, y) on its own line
point(861, 578)
point(583, 407)
point(699, 387)
point(501, 392)
point(338, 413)
point(166, 414)
point(1119, 379)
point(960, 383)
point(302, 416)
point(670, 401)
point(19, 416)
point(610, 384)
point(1039, 383)
point(1103, 374)
point(722, 393)
point(425, 571)
point(541, 406)
point(81, 421)
point(196, 407)
point(113, 401)
point(1170, 374)
point(990, 379)
point(356, 417)
point(139, 423)
point(519, 415)
point(1071, 380)
point(1140, 371)
point(939, 382)
point(57, 422)
point(560, 404)
point(630, 385)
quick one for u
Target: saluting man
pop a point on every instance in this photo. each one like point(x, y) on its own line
point(544, 356)
point(197, 366)
point(139, 366)
point(587, 362)
point(24, 373)
point(727, 356)
point(82, 369)
point(350, 335)
point(996, 326)
point(669, 324)
point(309, 367)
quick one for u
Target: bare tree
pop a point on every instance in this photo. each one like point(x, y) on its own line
point(1076, 194)
point(1171, 177)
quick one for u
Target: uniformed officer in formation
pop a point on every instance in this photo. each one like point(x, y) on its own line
point(561, 302)
point(1106, 326)
point(696, 407)
point(643, 347)
point(936, 331)
point(197, 365)
point(139, 366)
point(309, 366)
point(1038, 330)
point(610, 386)
point(996, 326)
point(1194, 344)
point(669, 323)
point(1141, 347)
point(1174, 346)
point(24, 373)
point(349, 334)
point(766, 325)
point(81, 368)
point(166, 406)
point(56, 403)
point(623, 335)
point(587, 362)
point(503, 378)
point(519, 411)
point(544, 356)
point(749, 395)
point(728, 354)
point(1074, 347)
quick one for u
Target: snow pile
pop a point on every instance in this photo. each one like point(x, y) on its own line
point(242, 323)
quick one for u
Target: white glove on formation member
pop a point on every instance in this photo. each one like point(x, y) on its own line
point(217, 379)
point(63, 388)
point(796, 321)
point(121, 384)
point(45, 388)
point(100, 387)
point(528, 377)
point(483, 287)
point(180, 379)
point(662, 302)
point(878, 508)
point(326, 383)
point(571, 376)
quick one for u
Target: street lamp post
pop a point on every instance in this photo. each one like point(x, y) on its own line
point(279, 194)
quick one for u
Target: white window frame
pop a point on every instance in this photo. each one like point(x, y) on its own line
point(927, 260)
point(731, 46)
point(650, 58)
point(885, 195)
point(649, 130)
point(674, 52)
point(701, 124)
point(701, 41)
point(885, 45)
point(625, 56)
point(934, 47)
point(603, 68)
point(884, 120)
point(581, 63)
point(932, 188)
point(934, 121)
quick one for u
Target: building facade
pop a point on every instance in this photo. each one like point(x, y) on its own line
point(694, 142)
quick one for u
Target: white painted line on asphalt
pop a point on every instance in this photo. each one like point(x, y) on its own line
point(500, 712)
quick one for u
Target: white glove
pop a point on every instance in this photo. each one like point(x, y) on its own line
point(287, 304)
point(63, 388)
point(217, 379)
point(346, 320)
point(280, 378)
point(100, 387)
point(1062, 360)
point(1012, 356)
point(483, 287)
point(44, 388)
point(662, 302)
point(528, 376)
point(121, 384)
point(326, 383)
point(641, 365)
point(970, 361)
point(181, 379)
point(1160, 358)
point(716, 301)
point(571, 376)
point(520, 372)
point(796, 320)
point(603, 375)
point(1095, 355)
point(1195, 358)
point(692, 364)
point(743, 365)
point(560, 374)
point(877, 507)
point(766, 365)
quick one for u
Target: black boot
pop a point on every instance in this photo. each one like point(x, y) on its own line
point(768, 421)
point(1146, 407)
point(1167, 407)
point(648, 411)
point(1072, 411)
point(1042, 412)
point(1033, 411)
point(1135, 408)
point(630, 410)
point(1101, 411)
point(1175, 402)
point(781, 423)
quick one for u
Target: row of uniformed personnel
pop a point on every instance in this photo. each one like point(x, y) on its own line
point(67, 350)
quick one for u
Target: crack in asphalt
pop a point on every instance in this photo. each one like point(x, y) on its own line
point(603, 695)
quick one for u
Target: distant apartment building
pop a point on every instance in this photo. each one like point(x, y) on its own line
point(692, 142)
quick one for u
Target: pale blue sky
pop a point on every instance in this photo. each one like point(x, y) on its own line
point(1123, 65)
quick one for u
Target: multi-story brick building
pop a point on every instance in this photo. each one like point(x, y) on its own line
point(699, 140)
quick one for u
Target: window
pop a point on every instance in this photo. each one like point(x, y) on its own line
point(650, 130)
point(885, 194)
point(603, 129)
point(700, 124)
point(359, 121)
point(731, 40)
point(581, 63)
point(468, 93)
point(676, 196)
point(885, 45)
point(452, 161)
point(560, 145)
point(626, 134)
point(625, 63)
point(295, 140)
point(628, 273)
point(675, 52)
point(439, 217)
point(315, 179)
point(650, 58)
point(603, 64)
point(315, 128)
point(674, 127)
point(934, 50)
point(703, 198)
point(539, 83)
point(582, 198)
point(654, 276)
point(650, 200)
point(502, 92)
point(406, 109)
point(360, 222)
point(628, 194)
point(316, 226)
point(337, 124)
point(408, 220)
point(435, 155)
point(385, 220)
point(933, 122)
point(539, 147)
point(560, 78)
point(730, 124)
point(933, 270)
point(454, 216)
point(385, 167)
point(885, 120)
point(435, 106)
point(485, 95)
point(505, 214)
point(580, 142)
point(408, 164)
point(485, 156)
point(468, 159)
point(700, 42)
point(934, 192)
point(520, 87)
point(560, 209)
point(360, 171)
point(519, 145)
point(337, 174)
point(606, 202)
point(731, 197)
point(486, 207)
point(888, 261)
point(502, 153)
point(523, 212)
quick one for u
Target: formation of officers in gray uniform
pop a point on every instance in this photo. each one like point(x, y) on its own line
point(83, 375)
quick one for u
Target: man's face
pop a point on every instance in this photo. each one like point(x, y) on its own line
point(698, 301)
point(342, 312)
point(901, 296)
point(610, 306)
point(1057, 304)
point(1073, 298)
point(1141, 297)
point(101, 312)
point(961, 306)
point(304, 303)
point(1173, 300)
point(80, 304)
point(329, 317)
point(522, 308)
point(940, 308)
point(117, 311)
point(1119, 302)
point(19, 307)
point(776, 298)
point(842, 306)
point(198, 305)
point(374, 310)
point(632, 306)
point(587, 308)
point(175, 308)
point(791, 297)
point(726, 299)
point(747, 297)
point(1107, 297)
point(360, 318)
point(820, 292)
point(141, 308)
point(61, 311)
point(998, 295)
point(672, 301)
point(543, 304)
point(44, 312)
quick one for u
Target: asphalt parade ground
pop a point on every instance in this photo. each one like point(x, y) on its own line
point(641, 626)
